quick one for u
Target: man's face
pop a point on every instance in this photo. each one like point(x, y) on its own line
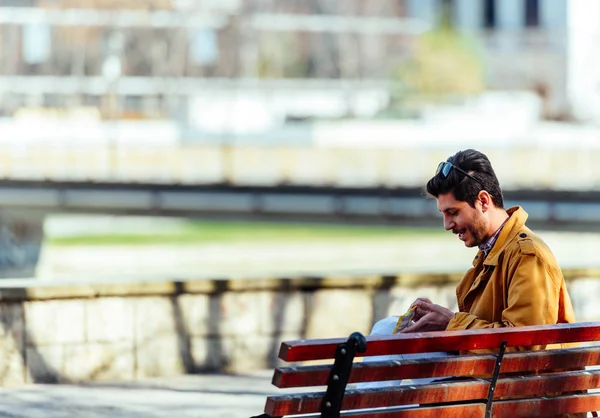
point(469, 224)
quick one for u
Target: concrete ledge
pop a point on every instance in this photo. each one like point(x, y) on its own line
point(32, 289)
point(59, 332)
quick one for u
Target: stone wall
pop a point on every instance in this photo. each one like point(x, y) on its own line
point(518, 165)
point(125, 331)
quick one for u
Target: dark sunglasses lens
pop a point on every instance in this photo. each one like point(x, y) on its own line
point(446, 168)
point(439, 168)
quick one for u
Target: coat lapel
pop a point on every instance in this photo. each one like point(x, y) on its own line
point(482, 270)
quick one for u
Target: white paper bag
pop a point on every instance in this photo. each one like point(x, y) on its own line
point(386, 327)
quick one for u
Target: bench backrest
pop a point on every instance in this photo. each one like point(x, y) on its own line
point(531, 383)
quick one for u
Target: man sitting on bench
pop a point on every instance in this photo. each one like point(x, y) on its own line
point(515, 282)
point(515, 279)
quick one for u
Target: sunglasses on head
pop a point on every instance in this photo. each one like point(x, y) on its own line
point(445, 166)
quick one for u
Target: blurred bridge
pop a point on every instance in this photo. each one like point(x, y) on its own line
point(354, 172)
point(343, 186)
point(399, 205)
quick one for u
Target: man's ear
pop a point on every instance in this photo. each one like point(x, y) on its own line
point(485, 199)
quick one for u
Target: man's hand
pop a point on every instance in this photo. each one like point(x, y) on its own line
point(429, 317)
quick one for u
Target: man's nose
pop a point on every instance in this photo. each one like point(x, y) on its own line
point(448, 224)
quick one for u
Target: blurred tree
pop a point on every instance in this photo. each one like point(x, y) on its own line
point(443, 62)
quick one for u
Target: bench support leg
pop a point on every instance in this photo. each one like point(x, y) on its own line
point(340, 372)
point(494, 379)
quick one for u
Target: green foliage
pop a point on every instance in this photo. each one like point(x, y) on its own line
point(280, 57)
point(203, 232)
point(443, 62)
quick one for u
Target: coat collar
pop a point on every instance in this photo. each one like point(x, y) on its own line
point(514, 224)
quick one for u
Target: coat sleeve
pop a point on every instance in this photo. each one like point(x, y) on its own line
point(532, 298)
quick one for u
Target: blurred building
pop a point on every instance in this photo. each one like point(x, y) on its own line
point(524, 42)
point(583, 60)
point(281, 60)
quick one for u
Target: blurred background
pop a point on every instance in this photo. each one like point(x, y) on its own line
point(245, 162)
point(201, 116)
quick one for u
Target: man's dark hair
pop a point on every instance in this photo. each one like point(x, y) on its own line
point(464, 188)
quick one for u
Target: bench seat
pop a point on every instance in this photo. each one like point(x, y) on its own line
point(512, 384)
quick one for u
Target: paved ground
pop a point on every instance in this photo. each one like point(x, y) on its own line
point(200, 396)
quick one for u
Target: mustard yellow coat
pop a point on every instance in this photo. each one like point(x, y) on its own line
point(519, 283)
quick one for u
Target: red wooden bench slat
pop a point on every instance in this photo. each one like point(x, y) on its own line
point(473, 365)
point(475, 410)
point(501, 409)
point(530, 386)
point(447, 341)
point(546, 406)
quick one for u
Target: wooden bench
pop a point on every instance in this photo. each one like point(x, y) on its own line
point(512, 384)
